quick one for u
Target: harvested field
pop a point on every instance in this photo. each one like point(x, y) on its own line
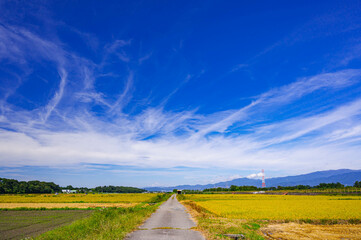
point(20, 224)
point(295, 231)
point(63, 205)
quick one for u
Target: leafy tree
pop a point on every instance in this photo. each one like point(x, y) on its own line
point(234, 188)
point(14, 186)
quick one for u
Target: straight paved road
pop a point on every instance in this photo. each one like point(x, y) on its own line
point(169, 222)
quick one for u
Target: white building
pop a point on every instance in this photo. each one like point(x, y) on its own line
point(68, 191)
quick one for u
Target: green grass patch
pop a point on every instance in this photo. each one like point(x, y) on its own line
point(107, 223)
point(251, 226)
point(159, 198)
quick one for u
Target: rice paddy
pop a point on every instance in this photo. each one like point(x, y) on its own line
point(278, 207)
point(35, 200)
point(262, 216)
point(63, 205)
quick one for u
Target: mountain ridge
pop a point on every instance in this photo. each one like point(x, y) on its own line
point(344, 176)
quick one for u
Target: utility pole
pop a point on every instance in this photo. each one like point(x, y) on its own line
point(263, 181)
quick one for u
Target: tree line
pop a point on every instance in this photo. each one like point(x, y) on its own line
point(357, 184)
point(118, 189)
point(12, 186)
point(234, 188)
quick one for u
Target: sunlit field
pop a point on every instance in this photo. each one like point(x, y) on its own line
point(278, 207)
point(73, 200)
point(107, 216)
point(259, 216)
point(77, 198)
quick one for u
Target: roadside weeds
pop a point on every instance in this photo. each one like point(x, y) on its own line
point(108, 223)
point(214, 227)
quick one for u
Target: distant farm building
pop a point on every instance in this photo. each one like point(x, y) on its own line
point(68, 191)
point(179, 191)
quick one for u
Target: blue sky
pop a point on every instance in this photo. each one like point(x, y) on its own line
point(148, 93)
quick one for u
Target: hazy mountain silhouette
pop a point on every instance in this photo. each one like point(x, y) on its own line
point(344, 176)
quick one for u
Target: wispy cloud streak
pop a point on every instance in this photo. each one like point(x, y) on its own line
point(49, 108)
point(156, 137)
point(285, 95)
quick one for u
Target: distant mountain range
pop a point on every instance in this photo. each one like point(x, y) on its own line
point(345, 176)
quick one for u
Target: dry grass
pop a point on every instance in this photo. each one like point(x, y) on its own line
point(296, 231)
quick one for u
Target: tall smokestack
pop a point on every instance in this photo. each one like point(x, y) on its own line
point(263, 181)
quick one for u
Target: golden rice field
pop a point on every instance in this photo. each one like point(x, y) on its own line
point(124, 199)
point(278, 207)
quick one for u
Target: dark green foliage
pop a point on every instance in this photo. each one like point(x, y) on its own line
point(118, 189)
point(14, 186)
point(191, 191)
point(234, 188)
point(298, 187)
point(329, 185)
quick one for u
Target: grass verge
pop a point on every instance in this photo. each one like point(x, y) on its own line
point(107, 223)
point(215, 227)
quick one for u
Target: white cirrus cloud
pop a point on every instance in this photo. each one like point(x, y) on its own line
point(65, 131)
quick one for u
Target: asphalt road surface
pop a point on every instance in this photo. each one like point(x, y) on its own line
point(169, 222)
